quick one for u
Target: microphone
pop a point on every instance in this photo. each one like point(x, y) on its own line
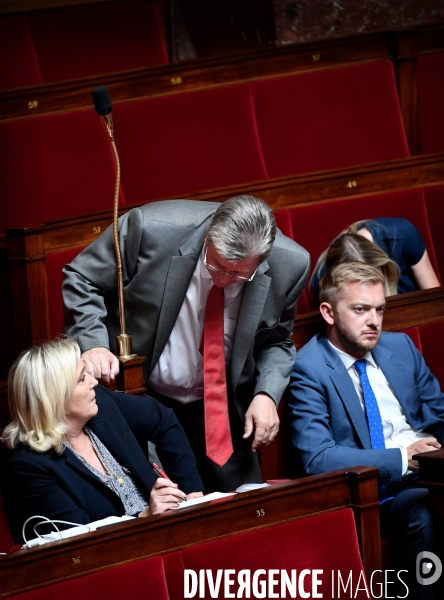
point(104, 106)
point(102, 100)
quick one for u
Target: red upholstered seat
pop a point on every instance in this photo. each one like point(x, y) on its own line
point(187, 142)
point(310, 543)
point(431, 336)
point(330, 118)
point(283, 221)
point(97, 39)
point(413, 332)
point(134, 581)
point(6, 541)
point(430, 101)
point(19, 65)
point(54, 167)
point(54, 265)
point(434, 199)
point(316, 225)
point(428, 339)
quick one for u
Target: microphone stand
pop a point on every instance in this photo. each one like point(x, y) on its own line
point(123, 341)
point(130, 378)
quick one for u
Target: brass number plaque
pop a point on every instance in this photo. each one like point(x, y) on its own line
point(76, 560)
point(260, 512)
point(96, 230)
point(33, 104)
point(315, 57)
point(176, 80)
point(351, 184)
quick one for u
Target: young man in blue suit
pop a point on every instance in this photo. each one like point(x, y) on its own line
point(363, 397)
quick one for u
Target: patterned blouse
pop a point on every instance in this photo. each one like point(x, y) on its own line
point(117, 478)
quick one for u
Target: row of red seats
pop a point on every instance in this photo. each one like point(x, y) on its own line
point(60, 166)
point(79, 41)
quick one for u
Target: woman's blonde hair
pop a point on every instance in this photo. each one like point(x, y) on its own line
point(40, 384)
point(352, 246)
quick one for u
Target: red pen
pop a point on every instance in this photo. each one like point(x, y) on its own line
point(160, 473)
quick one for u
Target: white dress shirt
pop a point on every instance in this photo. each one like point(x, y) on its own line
point(397, 431)
point(179, 371)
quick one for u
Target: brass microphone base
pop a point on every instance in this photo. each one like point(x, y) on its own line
point(123, 347)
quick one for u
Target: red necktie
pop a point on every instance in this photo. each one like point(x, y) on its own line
point(217, 425)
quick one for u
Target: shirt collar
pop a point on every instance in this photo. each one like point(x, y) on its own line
point(350, 360)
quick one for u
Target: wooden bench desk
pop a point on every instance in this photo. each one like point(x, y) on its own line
point(59, 561)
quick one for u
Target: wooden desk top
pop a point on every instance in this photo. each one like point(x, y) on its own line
point(58, 561)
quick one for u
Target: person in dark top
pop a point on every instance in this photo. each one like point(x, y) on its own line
point(394, 246)
point(79, 450)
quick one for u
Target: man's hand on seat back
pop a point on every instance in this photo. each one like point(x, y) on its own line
point(101, 363)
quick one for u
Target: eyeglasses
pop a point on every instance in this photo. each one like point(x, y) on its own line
point(228, 273)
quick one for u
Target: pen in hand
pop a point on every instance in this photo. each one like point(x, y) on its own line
point(160, 473)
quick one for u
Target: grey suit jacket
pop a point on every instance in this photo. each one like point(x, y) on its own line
point(160, 244)
point(329, 427)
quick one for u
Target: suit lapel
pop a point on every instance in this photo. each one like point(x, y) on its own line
point(396, 375)
point(347, 393)
point(180, 271)
point(139, 470)
point(72, 460)
point(250, 311)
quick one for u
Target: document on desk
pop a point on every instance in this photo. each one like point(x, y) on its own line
point(56, 536)
point(249, 487)
point(207, 498)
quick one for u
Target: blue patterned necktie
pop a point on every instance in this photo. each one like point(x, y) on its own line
point(373, 418)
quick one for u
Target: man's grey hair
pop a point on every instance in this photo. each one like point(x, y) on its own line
point(242, 228)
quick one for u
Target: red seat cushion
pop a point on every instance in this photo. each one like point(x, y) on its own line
point(431, 336)
point(19, 65)
point(434, 199)
point(283, 221)
point(329, 119)
point(413, 332)
point(192, 141)
point(55, 167)
point(97, 39)
point(6, 541)
point(311, 543)
point(134, 581)
point(54, 265)
point(430, 101)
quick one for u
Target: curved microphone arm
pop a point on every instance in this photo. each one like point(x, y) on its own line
point(103, 106)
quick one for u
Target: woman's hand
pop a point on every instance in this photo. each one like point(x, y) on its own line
point(165, 495)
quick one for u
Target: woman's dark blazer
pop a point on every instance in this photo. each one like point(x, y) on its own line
point(59, 486)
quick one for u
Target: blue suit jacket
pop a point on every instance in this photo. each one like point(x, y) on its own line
point(329, 427)
point(59, 486)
